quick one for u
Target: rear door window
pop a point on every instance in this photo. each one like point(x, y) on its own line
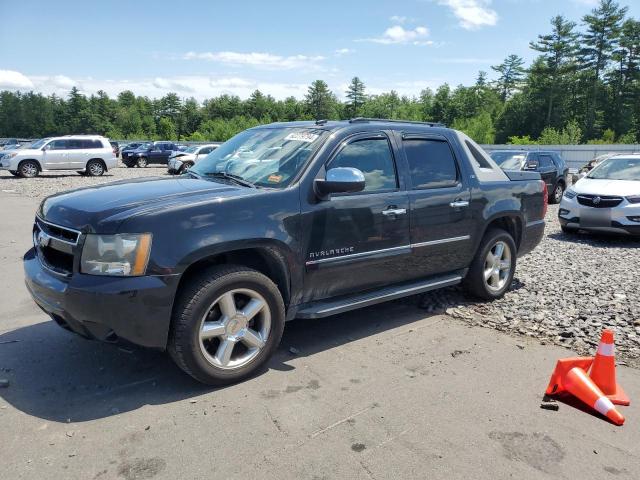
point(546, 162)
point(58, 145)
point(372, 156)
point(431, 163)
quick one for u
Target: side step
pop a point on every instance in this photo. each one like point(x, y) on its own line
point(344, 304)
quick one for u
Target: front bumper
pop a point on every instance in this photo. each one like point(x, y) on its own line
point(174, 165)
point(571, 214)
point(136, 309)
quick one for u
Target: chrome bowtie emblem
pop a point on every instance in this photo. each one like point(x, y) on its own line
point(596, 200)
point(43, 239)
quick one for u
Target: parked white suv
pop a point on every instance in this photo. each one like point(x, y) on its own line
point(87, 154)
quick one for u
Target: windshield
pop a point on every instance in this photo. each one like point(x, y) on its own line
point(39, 143)
point(268, 157)
point(509, 160)
point(617, 169)
point(191, 149)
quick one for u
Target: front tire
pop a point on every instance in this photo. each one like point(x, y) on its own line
point(226, 324)
point(28, 169)
point(185, 167)
point(13, 172)
point(141, 162)
point(491, 272)
point(568, 230)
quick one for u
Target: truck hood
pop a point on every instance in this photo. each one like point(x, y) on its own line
point(104, 207)
point(592, 186)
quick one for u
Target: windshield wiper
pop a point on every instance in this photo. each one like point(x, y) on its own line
point(234, 178)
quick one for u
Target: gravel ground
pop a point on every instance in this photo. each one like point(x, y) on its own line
point(48, 183)
point(564, 292)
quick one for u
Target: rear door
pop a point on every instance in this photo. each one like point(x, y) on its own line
point(548, 170)
point(358, 241)
point(439, 197)
point(79, 150)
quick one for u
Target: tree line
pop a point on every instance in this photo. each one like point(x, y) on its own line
point(583, 87)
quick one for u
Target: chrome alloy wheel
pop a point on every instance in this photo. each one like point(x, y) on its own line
point(235, 328)
point(96, 169)
point(497, 266)
point(557, 194)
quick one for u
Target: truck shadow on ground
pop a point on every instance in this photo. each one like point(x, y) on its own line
point(58, 376)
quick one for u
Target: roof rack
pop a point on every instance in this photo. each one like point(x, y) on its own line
point(365, 119)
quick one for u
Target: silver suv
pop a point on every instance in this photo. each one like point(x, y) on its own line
point(87, 154)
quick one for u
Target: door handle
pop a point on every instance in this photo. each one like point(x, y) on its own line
point(459, 204)
point(394, 211)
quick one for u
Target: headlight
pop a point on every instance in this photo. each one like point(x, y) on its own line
point(634, 199)
point(7, 156)
point(124, 254)
point(568, 193)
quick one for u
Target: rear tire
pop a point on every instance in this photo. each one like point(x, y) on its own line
point(227, 322)
point(28, 169)
point(95, 168)
point(491, 272)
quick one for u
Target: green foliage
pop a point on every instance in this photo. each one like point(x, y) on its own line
point(569, 135)
point(479, 128)
point(521, 140)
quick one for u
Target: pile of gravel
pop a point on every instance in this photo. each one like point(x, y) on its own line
point(48, 183)
point(564, 292)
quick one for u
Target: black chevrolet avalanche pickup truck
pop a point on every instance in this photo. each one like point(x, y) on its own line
point(283, 221)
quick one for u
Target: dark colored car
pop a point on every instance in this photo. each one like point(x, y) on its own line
point(116, 148)
point(548, 164)
point(150, 153)
point(283, 221)
point(130, 148)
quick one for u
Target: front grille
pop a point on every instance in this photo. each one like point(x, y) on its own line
point(55, 246)
point(599, 201)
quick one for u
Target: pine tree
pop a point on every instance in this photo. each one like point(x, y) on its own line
point(356, 95)
point(558, 49)
point(320, 101)
point(511, 75)
point(603, 28)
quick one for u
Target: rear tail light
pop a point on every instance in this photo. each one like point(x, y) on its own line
point(545, 199)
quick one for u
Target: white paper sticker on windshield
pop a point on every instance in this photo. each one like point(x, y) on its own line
point(302, 137)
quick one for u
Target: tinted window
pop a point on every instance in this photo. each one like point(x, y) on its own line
point(431, 163)
point(74, 144)
point(546, 162)
point(205, 150)
point(58, 145)
point(373, 158)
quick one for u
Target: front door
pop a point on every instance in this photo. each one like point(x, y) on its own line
point(439, 196)
point(56, 155)
point(358, 241)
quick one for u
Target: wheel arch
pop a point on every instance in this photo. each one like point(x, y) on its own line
point(20, 162)
point(104, 164)
point(511, 222)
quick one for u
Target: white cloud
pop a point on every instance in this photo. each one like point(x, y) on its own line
point(200, 87)
point(258, 59)
point(343, 51)
point(472, 14)
point(399, 35)
point(12, 80)
point(398, 19)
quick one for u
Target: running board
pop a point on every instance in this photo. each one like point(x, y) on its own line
point(333, 307)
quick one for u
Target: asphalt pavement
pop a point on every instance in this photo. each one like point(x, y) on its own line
point(387, 392)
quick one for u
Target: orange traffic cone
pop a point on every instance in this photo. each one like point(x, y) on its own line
point(603, 370)
point(582, 387)
point(556, 384)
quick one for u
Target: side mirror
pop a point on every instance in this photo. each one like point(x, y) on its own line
point(46, 147)
point(340, 180)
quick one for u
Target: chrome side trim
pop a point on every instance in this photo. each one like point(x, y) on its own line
point(440, 241)
point(387, 250)
point(357, 255)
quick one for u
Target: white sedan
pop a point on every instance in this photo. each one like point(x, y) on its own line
point(180, 161)
point(607, 199)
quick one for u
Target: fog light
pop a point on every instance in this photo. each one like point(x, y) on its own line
point(563, 211)
point(634, 219)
